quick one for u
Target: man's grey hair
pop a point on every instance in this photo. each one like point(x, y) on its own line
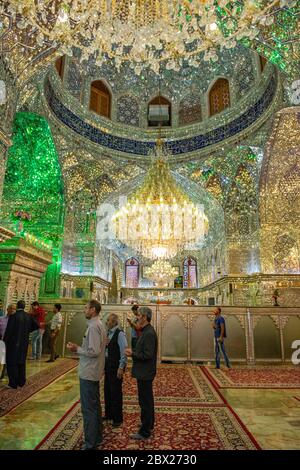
point(115, 317)
point(146, 312)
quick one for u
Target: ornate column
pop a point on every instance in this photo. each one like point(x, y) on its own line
point(250, 325)
point(21, 267)
point(280, 322)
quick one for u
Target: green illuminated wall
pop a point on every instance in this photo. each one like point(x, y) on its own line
point(33, 183)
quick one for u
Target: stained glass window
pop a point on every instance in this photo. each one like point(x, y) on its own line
point(190, 273)
point(132, 273)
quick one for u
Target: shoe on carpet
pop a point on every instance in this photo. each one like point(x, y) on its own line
point(57, 356)
point(138, 437)
point(117, 425)
point(50, 360)
point(8, 387)
point(92, 448)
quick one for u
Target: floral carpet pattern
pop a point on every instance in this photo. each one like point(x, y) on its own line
point(177, 427)
point(174, 384)
point(258, 377)
point(9, 399)
point(190, 415)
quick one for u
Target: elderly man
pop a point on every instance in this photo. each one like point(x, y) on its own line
point(115, 364)
point(144, 370)
point(91, 368)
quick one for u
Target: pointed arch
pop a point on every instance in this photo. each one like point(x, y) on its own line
point(219, 96)
point(100, 99)
point(159, 112)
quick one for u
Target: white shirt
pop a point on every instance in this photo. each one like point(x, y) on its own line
point(92, 352)
point(56, 321)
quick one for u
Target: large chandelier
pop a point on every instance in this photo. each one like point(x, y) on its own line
point(143, 32)
point(161, 272)
point(159, 219)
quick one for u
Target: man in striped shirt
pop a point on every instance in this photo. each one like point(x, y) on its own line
point(55, 327)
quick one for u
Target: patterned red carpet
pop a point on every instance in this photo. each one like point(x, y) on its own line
point(190, 415)
point(9, 399)
point(177, 383)
point(258, 377)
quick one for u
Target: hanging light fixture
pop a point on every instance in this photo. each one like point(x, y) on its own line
point(161, 273)
point(159, 219)
point(144, 33)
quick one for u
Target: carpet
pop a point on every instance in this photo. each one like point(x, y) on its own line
point(190, 415)
point(177, 428)
point(10, 399)
point(255, 377)
point(176, 384)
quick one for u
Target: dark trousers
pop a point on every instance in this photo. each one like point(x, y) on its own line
point(146, 402)
point(16, 374)
point(91, 413)
point(113, 396)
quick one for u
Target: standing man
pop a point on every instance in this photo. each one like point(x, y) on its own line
point(220, 333)
point(16, 339)
point(144, 370)
point(39, 315)
point(91, 368)
point(55, 327)
point(115, 364)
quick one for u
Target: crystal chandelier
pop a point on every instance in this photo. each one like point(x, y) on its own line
point(159, 219)
point(161, 272)
point(143, 32)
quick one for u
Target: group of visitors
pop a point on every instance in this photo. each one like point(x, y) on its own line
point(104, 353)
point(16, 329)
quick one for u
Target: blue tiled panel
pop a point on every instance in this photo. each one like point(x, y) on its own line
point(176, 147)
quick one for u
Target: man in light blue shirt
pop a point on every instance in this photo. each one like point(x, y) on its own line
point(220, 333)
point(115, 364)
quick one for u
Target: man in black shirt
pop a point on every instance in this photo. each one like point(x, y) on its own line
point(144, 370)
point(16, 339)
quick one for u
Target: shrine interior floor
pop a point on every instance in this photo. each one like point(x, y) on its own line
point(271, 415)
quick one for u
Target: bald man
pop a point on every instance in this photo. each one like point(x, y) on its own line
point(115, 364)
